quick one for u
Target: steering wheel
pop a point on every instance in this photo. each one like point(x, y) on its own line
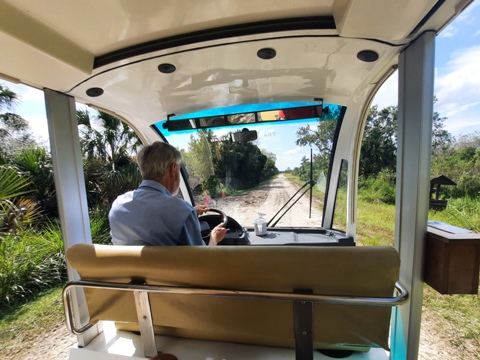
point(224, 220)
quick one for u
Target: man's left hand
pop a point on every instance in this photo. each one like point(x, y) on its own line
point(201, 209)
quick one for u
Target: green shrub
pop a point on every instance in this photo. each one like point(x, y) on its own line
point(34, 259)
point(30, 262)
point(462, 212)
point(212, 185)
point(100, 228)
point(380, 188)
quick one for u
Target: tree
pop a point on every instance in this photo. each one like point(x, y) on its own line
point(8, 99)
point(379, 146)
point(241, 164)
point(322, 137)
point(441, 138)
point(198, 158)
point(303, 171)
point(15, 138)
point(109, 147)
point(461, 163)
point(35, 163)
point(107, 137)
point(221, 163)
point(269, 169)
point(14, 130)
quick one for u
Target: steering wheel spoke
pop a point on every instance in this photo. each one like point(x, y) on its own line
point(224, 220)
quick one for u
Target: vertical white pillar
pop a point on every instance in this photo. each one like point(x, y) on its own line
point(68, 169)
point(415, 115)
point(69, 185)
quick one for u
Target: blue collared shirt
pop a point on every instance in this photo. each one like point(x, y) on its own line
point(150, 215)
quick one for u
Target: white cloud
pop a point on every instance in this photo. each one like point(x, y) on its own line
point(467, 16)
point(26, 93)
point(449, 32)
point(387, 95)
point(457, 87)
point(295, 150)
point(292, 158)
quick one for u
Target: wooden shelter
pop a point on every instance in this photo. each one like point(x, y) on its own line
point(435, 184)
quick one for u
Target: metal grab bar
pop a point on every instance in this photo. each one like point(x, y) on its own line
point(325, 299)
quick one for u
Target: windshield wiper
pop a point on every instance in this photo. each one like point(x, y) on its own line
point(310, 183)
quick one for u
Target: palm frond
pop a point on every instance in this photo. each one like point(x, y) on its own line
point(12, 183)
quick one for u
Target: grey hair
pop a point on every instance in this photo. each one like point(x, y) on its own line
point(154, 159)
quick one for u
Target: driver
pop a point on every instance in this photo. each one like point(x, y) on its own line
point(151, 214)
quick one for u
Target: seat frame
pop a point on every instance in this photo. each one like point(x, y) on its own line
point(302, 300)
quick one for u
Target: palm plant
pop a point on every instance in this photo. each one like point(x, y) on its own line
point(36, 162)
point(14, 130)
point(29, 259)
point(109, 146)
point(12, 185)
point(8, 99)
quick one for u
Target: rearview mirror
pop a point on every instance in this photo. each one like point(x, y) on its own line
point(244, 135)
point(246, 114)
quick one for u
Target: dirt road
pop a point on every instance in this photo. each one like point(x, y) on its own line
point(268, 199)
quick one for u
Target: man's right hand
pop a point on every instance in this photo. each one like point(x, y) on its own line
point(217, 234)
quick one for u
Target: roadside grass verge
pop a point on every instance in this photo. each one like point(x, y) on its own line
point(375, 223)
point(460, 313)
point(29, 263)
point(460, 325)
point(21, 324)
point(34, 260)
point(463, 212)
point(376, 227)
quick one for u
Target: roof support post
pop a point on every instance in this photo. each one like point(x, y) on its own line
point(70, 187)
point(415, 114)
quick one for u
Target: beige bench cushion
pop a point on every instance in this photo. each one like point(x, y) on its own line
point(347, 271)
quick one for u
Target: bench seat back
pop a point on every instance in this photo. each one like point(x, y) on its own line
point(341, 271)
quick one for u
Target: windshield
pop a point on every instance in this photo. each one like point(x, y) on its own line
point(271, 166)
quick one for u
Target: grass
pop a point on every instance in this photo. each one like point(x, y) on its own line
point(375, 223)
point(34, 259)
point(459, 320)
point(30, 262)
point(460, 314)
point(463, 212)
point(32, 274)
point(21, 324)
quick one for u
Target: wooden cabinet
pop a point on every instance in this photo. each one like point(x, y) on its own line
point(452, 261)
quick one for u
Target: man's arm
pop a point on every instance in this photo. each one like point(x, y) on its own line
point(191, 233)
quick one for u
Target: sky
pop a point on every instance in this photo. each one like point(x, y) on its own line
point(457, 87)
point(457, 75)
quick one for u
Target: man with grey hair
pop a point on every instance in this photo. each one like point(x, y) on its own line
point(151, 214)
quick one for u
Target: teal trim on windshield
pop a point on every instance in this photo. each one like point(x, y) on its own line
point(334, 112)
point(246, 108)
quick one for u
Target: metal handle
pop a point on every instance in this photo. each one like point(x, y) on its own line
point(400, 299)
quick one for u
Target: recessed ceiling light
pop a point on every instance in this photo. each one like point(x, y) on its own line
point(266, 53)
point(166, 68)
point(94, 91)
point(367, 55)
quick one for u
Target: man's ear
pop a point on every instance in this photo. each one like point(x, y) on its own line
point(172, 169)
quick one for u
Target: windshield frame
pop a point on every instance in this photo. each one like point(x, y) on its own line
point(187, 191)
